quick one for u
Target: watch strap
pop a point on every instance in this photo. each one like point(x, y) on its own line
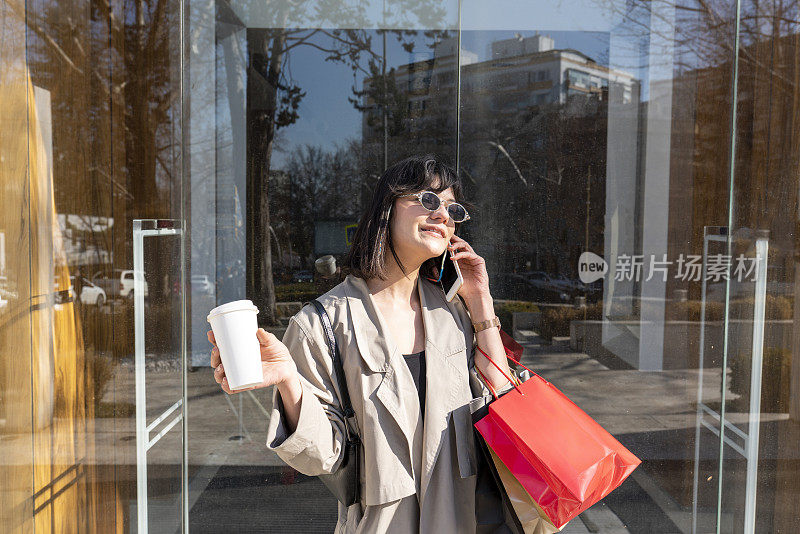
point(483, 325)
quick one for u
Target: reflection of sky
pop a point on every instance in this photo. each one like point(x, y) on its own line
point(327, 119)
point(514, 15)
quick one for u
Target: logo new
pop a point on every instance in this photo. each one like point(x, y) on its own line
point(591, 267)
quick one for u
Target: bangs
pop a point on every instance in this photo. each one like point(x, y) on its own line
point(429, 174)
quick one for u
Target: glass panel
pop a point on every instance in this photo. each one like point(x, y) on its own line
point(295, 111)
point(90, 140)
point(597, 137)
point(760, 487)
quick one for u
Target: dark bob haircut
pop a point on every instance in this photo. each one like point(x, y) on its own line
point(372, 240)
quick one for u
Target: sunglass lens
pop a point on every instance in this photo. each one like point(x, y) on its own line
point(457, 212)
point(430, 201)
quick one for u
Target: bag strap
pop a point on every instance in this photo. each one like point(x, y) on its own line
point(338, 369)
point(508, 353)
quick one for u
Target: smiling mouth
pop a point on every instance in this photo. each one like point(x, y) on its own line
point(433, 232)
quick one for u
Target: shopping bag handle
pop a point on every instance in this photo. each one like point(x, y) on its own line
point(516, 383)
point(488, 384)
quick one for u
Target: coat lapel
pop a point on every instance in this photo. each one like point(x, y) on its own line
point(378, 353)
point(444, 340)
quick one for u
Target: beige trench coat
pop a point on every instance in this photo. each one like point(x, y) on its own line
point(415, 477)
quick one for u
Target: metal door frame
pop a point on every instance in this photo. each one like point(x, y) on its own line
point(154, 228)
point(709, 418)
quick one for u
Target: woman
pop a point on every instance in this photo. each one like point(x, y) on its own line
point(419, 457)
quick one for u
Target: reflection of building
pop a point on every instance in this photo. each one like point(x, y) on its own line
point(530, 71)
point(523, 73)
point(532, 118)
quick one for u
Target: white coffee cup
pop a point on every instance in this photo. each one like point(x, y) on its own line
point(235, 326)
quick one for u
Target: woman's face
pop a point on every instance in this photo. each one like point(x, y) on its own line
point(411, 228)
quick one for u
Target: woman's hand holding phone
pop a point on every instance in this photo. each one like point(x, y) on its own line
point(473, 270)
point(478, 299)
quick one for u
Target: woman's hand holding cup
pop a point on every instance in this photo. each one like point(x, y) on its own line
point(277, 365)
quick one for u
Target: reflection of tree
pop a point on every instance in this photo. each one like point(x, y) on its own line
point(702, 32)
point(316, 185)
point(698, 39)
point(124, 63)
point(394, 125)
point(381, 93)
point(274, 98)
point(557, 148)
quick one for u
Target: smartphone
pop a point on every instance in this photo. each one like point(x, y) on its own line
point(451, 279)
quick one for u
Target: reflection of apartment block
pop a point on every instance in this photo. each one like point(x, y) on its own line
point(536, 72)
point(523, 73)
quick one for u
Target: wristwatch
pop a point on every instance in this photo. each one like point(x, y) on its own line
point(483, 325)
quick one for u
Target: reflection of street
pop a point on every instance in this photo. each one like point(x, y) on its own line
point(235, 480)
point(654, 415)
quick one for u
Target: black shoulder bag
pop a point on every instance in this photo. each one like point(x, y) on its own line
point(344, 483)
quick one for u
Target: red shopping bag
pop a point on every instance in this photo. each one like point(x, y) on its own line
point(512, 348)
point(562, 457)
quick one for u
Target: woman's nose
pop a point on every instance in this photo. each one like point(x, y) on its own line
point(441, 212)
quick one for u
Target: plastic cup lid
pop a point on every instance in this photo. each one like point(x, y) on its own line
point(236, 305)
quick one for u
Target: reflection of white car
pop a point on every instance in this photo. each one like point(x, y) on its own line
point(202, 284)
point(118, 284)
point(127, 285)
point(90, 294)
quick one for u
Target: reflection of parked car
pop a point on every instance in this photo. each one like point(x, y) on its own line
point(90, 293)
point(119, 283)
point(201, 283)
point(302, 276)
point(544, 288)
point(540, 280)
point(565, 284)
